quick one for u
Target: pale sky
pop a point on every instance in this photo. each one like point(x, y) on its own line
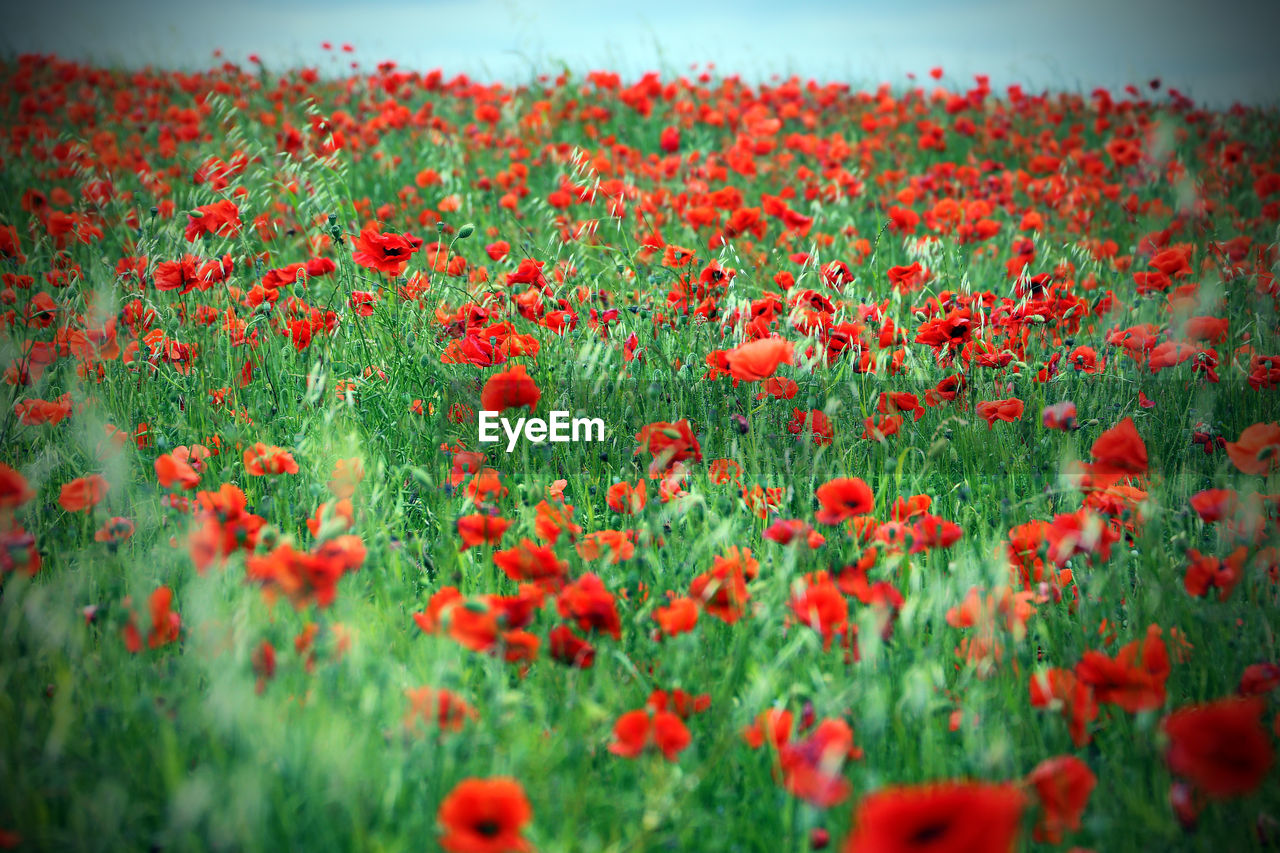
point(1217, 52)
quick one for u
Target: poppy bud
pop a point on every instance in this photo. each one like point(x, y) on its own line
point(819, 838)
point(466, 231)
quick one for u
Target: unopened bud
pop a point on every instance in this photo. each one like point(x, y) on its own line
point(466, 231)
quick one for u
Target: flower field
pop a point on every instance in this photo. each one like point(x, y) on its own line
point(936, 506)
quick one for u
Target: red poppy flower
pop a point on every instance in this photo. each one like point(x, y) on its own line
point(821, 606)
point(722, 591)
point(1063, 785)
point(1259, 678)
point(1059, 416)
point(510, 389)
point(166, 625)
point(114, 530)
point(812, 767)
point(1215, 504)
point(1119, 452)
point(626, 499)
point(552, 521)
point(772, 726)
point(14, 491)
point(261, 460)
point(388, 253)
point(1134, 679)
point(1257, 451)
point(635, 731)
point(222, 218)
point(1000, 410)
point(439, 708)
point(1221, 747)
point(759, 359)
point(568, 648)
point(590, 604)
point(83, 493)
point(39, 412)
point(480, 528)
point(1060, 690)
point(818, 423)
point(346, 476)
point(532, 562)
point(173, 472)
point(679, 616)
point(844, 498)
point(668, 443)
point(976, 817)
point(615, 545)
point(785, 531)
point(485, 816)
point(485, 486)
point(1207, 572)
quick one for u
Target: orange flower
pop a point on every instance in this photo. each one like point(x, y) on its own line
point(485, 486)
point(555, 491)
point(332, 517)
point(772, 726)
